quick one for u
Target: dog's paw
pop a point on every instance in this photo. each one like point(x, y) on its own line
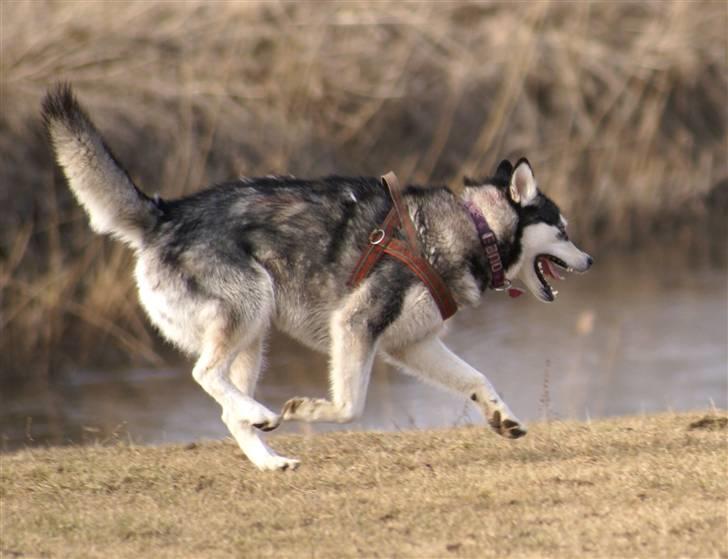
point(508, 428)
point(293, 407)
point(315, 409)
point(278, 463)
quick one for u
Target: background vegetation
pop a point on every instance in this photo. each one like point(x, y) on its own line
point(620, 106)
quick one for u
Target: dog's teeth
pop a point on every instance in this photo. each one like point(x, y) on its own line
point(569, 269)
point(554, 292)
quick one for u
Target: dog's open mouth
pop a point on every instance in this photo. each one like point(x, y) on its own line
point(548, 265)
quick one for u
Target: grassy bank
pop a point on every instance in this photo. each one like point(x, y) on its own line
point(632, 487)
point(619, 105)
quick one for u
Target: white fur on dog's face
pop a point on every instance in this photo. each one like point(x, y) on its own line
point(544, 240)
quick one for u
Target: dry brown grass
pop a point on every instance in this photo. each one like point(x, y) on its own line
point(633, 487)
point(620, 106)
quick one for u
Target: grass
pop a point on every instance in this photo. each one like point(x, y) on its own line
point(651, 486)
point(619, 105)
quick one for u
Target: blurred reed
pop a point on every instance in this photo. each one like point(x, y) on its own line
point(620, 106)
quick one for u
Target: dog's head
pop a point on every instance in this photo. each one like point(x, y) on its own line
point(540, 246)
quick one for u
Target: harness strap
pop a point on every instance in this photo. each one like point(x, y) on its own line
point(432, 280)
point(395, 191)
point(381, 241)
point(378, 238)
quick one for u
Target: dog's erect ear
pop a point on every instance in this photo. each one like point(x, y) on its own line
point(522, 189)
point(504, 171)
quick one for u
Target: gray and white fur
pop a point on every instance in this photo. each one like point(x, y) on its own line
point(217, 269)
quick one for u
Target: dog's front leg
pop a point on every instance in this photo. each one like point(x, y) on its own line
point(431, 360)
point(352, 355)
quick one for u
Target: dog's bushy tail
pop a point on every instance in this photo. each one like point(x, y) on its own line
point(113, 202)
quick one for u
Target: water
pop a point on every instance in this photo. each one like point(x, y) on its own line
point(635, 335)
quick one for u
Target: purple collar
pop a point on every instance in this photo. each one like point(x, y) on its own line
point(487, 238)
point(498, 280)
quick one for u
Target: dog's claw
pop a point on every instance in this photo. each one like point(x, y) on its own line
point(280, 464)
point(268, 425)
point(290, 407)
point(513, 430)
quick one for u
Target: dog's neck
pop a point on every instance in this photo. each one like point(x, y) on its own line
point(449, 238)
point(500, 215)
point(496, 209)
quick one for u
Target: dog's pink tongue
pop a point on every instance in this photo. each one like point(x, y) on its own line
point(550, 269)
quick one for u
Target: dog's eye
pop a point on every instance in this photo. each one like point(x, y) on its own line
point(562, 236)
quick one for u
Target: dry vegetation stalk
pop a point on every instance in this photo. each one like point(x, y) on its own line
point(652, 486)
point(620, 106)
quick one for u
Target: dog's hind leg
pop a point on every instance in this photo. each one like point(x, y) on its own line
point(432, 361)
point(221, 350)
point(352, 355)
point(244, 375)
point(246, 367)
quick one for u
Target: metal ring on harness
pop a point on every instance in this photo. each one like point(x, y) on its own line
point(376, 236)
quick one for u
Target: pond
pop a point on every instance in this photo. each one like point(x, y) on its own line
point(637, 334)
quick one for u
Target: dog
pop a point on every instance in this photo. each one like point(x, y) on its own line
point(217, 269)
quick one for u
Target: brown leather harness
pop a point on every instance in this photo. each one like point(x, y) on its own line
point(382, 241)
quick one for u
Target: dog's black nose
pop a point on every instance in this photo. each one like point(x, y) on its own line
point(589, 261)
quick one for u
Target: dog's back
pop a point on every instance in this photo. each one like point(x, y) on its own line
point(221, 251)
point(243, 242)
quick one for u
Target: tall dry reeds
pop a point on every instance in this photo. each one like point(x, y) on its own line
point(621, 107)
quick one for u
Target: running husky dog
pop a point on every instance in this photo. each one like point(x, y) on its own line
point(215, 270)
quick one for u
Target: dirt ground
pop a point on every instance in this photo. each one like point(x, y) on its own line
point(652, 486)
